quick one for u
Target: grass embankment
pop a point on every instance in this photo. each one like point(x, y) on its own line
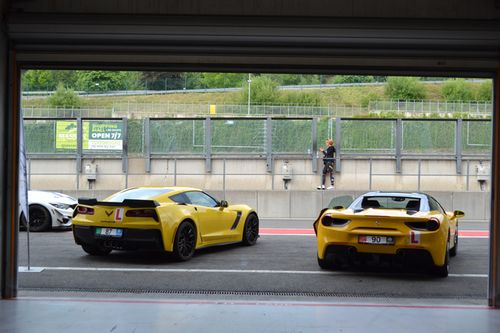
point(355, 96)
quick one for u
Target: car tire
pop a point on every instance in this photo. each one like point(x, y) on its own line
point(251, 230)
point(40, 219)
point(185, 241)
point(96, 250)
point(325, 263)
point(454, 249)
point(442, 271)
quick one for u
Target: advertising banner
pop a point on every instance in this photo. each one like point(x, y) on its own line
point(97, 135)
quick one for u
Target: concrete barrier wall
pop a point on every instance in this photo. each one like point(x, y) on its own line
point(233, 174)
point(307, 204)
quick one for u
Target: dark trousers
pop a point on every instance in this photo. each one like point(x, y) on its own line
point(328, 168)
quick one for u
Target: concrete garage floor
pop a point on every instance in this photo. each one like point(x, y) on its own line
point(117, 313)
point(124, 296)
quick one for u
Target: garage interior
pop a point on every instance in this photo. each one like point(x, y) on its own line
point(429, 38)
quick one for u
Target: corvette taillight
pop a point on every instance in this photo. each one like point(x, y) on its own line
point(430, 225)
point(330, 221)
point(151, 213)
point(85, 210)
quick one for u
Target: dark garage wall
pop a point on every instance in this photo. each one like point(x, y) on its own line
point(479, 9)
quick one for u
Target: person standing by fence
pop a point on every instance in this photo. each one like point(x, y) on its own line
point(329, 164)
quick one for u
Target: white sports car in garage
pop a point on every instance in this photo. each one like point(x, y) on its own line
point(49, 210)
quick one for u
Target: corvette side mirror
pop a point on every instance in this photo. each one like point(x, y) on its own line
point(223, 204)
point(458, 213)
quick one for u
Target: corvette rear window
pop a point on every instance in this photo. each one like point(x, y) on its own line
point(391, 203)
point(138, 193)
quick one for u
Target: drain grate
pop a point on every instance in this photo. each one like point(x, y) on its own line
point(243, 293)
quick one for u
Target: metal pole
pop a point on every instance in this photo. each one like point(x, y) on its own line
point(419, 170)
point(468, 176)
point(249, 84)
point(458, 145)
point(224, 179)
point(314, 148)
point(370, 176)
point(494, 267)
point(208, 145)
point(175, 172)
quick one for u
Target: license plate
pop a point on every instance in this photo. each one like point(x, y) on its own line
point(111, 232)
point(383, 240)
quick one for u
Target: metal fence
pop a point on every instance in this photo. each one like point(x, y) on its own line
point(135, 110)
point(264, 136)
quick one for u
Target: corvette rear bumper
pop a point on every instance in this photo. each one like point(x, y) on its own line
point(131, 239)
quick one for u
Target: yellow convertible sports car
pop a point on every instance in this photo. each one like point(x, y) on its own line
point(174, 219)
point(390, 225)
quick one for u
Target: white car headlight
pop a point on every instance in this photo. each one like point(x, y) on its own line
point(61, 205)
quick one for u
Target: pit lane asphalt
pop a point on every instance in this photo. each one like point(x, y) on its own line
point(275, 265)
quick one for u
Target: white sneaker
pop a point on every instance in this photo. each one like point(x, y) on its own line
point(321, 187)
point(330, 187)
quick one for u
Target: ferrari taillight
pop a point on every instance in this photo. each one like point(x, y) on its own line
point(430, 225)
point(151, 213)
point(85, 210)
point(330, 221)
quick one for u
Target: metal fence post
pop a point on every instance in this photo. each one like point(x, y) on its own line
point(208, 144)
point(125, 149)
point(269, 144)
point(175, 172)
point(147, 143)
point(458, 145)
point(419, 172)
point(399, 143)
point(314, 148)
point(370, 176)
point(338, 143)
point(224, 179)
point(79, 150)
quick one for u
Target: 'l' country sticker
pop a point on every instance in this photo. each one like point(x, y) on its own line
point(415, 237)
point(119, 214)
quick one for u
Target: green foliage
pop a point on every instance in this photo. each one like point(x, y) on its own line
point(223, 80)
point(38, 80)
point(456, 90)
point(353, 78)
point(485, 91)
point(263, 89)
point(300, 98)
point(296, 79)
point(108, 80)
point(64, 97)
point(404, 88)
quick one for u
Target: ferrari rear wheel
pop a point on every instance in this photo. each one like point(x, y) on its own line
point(251, 230)
point(185, 241)
point(96, 249)
point(442, 271)
point(40, 219)
point(454, 249)
point(324, 264)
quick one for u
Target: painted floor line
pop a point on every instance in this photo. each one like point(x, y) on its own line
point(202, 270)
point(252, 303)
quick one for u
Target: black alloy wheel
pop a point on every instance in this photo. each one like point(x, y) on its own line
point(40, 219)
point(185, 241)
point(251, 230)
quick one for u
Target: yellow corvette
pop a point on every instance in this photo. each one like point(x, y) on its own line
point(393, 225)
point(174, 219)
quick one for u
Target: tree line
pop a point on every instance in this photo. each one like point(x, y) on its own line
point(264, 87)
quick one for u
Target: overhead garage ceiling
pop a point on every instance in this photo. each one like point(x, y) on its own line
point(323, 36)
